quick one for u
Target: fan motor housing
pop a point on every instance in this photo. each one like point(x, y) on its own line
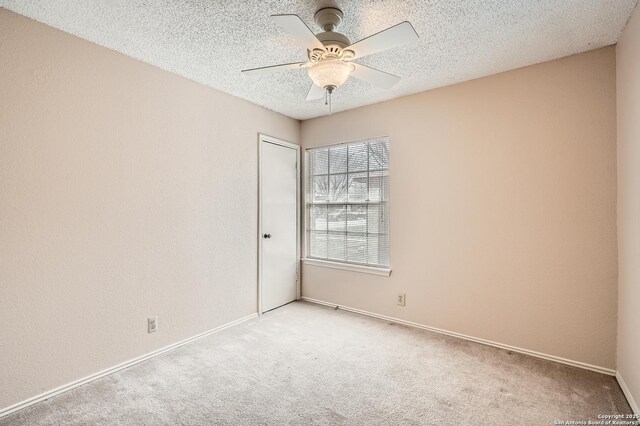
point(332, 38)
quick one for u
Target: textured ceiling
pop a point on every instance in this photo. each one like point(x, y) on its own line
point(210, 41)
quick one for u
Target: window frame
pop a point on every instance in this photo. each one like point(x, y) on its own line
point(340, 264)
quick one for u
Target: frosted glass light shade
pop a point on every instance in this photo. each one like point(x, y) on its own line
point(332, 72)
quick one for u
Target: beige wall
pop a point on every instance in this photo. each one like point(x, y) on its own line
point(125, 191)
point(503, 208)
point(628, 79)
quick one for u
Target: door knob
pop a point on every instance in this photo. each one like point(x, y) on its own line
point(267, 235)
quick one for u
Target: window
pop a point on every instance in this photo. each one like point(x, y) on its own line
point(348, 203)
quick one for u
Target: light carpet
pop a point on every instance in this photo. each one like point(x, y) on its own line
point(307, 364)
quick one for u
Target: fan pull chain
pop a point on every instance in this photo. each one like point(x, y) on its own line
point(328, 91)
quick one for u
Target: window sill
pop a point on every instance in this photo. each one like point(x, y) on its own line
point(348, 267)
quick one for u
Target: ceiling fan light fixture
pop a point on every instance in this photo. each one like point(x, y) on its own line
point(332, 72)
point(330, 53)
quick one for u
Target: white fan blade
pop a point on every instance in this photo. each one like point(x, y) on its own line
point(315, 92)
point(296, 27)
point(398, 35)
point(273, 68)
point(376, 77)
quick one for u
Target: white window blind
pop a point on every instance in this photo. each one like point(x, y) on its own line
point(348, 203)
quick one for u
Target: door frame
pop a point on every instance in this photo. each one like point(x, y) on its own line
point(262, 138)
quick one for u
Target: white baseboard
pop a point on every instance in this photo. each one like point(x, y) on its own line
point(627, 393)
point(573, 363)
point(46, 395)
point(28, 402)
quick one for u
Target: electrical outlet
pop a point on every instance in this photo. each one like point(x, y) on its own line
point(152, 324)
point(401, 299)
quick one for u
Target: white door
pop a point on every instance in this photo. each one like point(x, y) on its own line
point(278, 223)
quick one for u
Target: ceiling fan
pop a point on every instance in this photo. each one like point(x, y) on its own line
point(331, 54)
